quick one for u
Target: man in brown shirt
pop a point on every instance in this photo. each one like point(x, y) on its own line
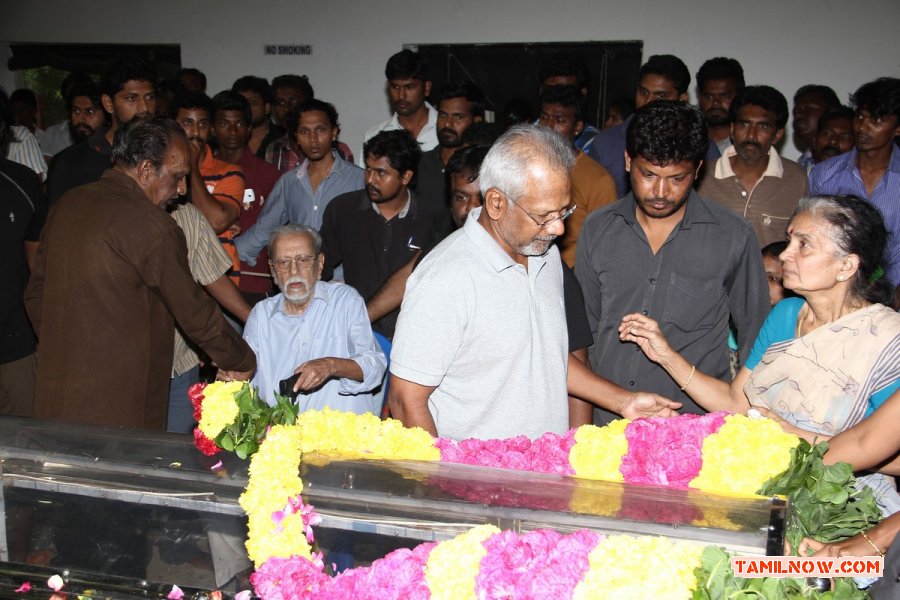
point(110, 280)
point(592, 185)
point(751, 178)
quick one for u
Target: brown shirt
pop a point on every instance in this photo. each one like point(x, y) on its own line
point(769, 205)
point(592, 188)
point(110, 274)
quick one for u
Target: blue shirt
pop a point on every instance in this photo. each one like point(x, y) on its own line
point(608, 149)
point(840, 175)
point(335, 324)
point(780, 326)
point(293, 201)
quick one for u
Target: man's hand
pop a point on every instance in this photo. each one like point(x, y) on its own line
point(645, 404)
point(313, 374)
point(234, 375)
point(198, 149)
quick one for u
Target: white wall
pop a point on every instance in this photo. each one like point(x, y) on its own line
point(783, 43)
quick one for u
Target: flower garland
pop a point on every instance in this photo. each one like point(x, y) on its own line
point(720, 453)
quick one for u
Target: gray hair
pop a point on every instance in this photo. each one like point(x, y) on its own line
point(145, 139)
point(856, 227)
point(506, 165)
point(295, 229)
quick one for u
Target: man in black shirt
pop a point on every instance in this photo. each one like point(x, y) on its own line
point(128, 90)
point(24, 209)
point(376, 231)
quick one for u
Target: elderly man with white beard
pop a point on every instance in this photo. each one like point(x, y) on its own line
point(316, 330)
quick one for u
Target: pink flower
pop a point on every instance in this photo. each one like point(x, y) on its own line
point(291, 578)
point(307, 513)
point(24, 588)
point(537, 564)
point(55, 583)
point(667, 451)
point(400, 574)
point(176, 593)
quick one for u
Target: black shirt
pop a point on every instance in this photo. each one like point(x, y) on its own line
point(371, 248)
point(24, 210)
point(431, 184)
point(79, 164)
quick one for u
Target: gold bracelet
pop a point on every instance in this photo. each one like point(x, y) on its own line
point(690, 377)
point(871, 543)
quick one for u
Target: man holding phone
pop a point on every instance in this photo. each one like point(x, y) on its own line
point(314, 332)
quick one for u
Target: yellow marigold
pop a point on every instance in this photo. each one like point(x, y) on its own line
point(265, 539)
point(219, 407)
point(453, 565)
point(274, 471)
point(744, 454)
point(350, 435)
point(623, 566)
point(598, 451)
point(274, 478)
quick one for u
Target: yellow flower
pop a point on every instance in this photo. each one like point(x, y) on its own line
point(219, 407)
point(266, 539)
point(598, 451)
point(453, 565)
point(622, 566)
point(274, 479)
point(744, 454)
point(349, 435)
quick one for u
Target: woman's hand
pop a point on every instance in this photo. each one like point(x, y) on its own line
point(810, 436)
point(645, 332)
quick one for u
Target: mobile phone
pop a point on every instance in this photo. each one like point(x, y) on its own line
point(286, 386)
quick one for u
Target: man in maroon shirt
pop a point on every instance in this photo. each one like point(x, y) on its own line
point(231, 128)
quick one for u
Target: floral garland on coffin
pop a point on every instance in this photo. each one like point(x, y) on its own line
point(718, 453)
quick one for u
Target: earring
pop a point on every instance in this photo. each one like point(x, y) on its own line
point(841, 277)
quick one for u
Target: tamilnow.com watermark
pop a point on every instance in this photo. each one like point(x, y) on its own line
point(750, 567)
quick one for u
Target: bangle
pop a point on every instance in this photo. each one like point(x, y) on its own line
point(690, 378)
point(871, 543)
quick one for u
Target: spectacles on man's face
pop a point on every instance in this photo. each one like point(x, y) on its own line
point(283, 265)
point(565, 214)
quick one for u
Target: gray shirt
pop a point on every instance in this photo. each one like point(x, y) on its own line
point(489, 334)
point(708, 270)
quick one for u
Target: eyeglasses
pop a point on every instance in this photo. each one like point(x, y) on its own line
point(283, 265)
point(565, 214)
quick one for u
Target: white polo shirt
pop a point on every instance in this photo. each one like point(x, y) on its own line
point(489, 334)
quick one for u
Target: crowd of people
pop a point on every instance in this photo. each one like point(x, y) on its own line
point(472, 278)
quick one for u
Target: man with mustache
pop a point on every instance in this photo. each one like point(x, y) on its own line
point(375, 232)
point(719, 80)
point(834, 136)
point(481, 346)
point(459, 105)
point(665, 251)
point(128, 90)
point(477, 351)
point(751, 178)
point(871, 169)
point(216, 187)
point(810, 103)
point(111, 279)
point(86, 114)
point(314, 329)
point(409, 84)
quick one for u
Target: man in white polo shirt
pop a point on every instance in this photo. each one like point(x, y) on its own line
point(481, 349)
